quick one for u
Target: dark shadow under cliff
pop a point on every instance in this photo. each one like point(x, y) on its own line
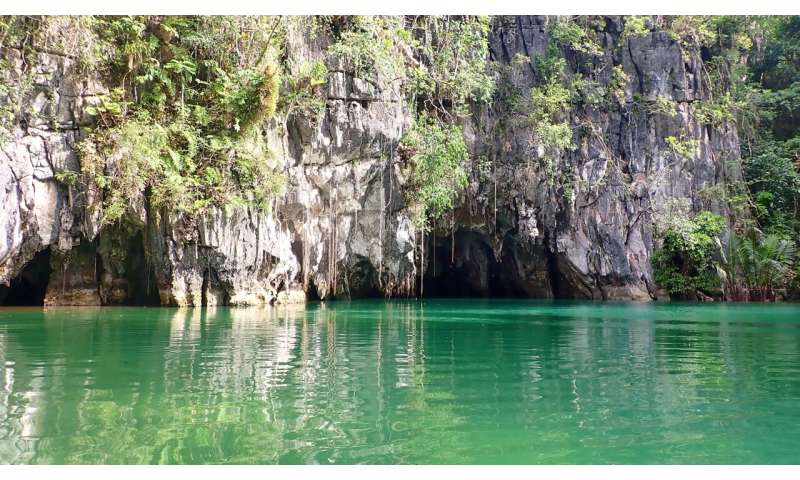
point(30, 286)
point(465, 264)
point(142, 286)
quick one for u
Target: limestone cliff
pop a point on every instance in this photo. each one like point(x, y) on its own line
point(341, 229)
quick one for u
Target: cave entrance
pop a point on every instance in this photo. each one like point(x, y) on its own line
point(30, 286)
point(461, 265)
point(465, 265)
point(140, 275)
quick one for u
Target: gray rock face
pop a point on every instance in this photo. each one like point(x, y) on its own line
point(598, 229)
point(342, 229)
point(36, 211)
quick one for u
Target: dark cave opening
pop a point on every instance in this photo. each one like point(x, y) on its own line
point(204, 288)
point(464, 264)
point(558, 284)
point(360, 279)
point(212, 292)
point(140, 275)
point(30, 286)
point(311, 292)
point(461, 265)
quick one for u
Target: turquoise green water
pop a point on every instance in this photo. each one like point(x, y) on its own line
point(402, 382)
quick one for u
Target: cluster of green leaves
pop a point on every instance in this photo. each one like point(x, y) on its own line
point(183, 125)
point(716, 111)
point(774, 180)
point(587, 91)
point(22, 38)
point(545, 109)
point(449, 75)
point(759, 264)
point(692, 31)
point(731, 98)
point(663, 106)
point(548, 107)
point(617, 84)
point(568, 32)
point(453, 72)
point(772, 148)
point(443, 62)
point(683, 147)
point(635, 26)
point(685, 262)
point(303, 91)
point(438, 175)
point(17, 32)
point(9, 98)
point(751, 76)
point(367, 46)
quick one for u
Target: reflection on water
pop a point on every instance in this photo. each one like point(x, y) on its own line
point(402, 382)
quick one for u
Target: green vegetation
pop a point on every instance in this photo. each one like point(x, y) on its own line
point(18, 32)
point(663, 106)
point(453, 71)
point(635, 26)
point(366, 45)
point(772, 150)
point(685, 263)
point(692, 30)
point(182, 124)
point(451, 75)
point(575, 36)
point(303, 94)
point(617, 83)
point(682, 147)
point(441, 61)
point(752, 77)
point(439, 156)
point(546, 108)
point(759, 265)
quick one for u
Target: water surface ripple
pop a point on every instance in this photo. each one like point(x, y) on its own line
point(440, 381)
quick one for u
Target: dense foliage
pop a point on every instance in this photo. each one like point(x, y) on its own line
point(182, 123)
point(451, 75)
point(685, 263)
point(439, 155)
point(772, 157)
point(758, 265)
point(185, 119)
point(753, 75)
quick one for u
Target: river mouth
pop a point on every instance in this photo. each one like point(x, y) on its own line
point(438, 381)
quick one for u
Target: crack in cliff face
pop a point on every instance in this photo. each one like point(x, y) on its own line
point(142, 286)
point(639, 73)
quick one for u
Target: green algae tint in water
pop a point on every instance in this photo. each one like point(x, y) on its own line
point(402, 382)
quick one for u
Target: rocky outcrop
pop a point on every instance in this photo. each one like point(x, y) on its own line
point(36, 211)
point(341, 228)
point(596, 226)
